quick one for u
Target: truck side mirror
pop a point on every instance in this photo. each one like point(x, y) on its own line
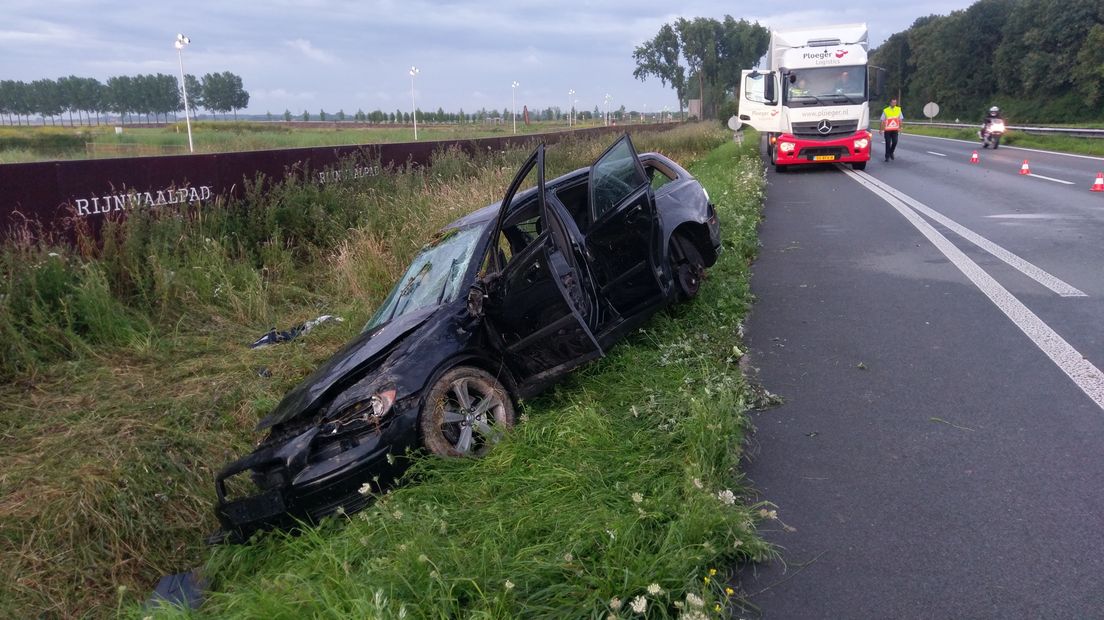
point(879, 82)
point(768, 89)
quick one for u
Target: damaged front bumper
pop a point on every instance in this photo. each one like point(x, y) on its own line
point(310, 476)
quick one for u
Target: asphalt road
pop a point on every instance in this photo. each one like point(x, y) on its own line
point(940, 451)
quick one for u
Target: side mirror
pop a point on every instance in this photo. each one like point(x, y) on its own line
point(879, 82)
point(475, 301)
point(769, 90)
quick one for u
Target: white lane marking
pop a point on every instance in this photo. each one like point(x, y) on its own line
point(937, 154)
point(1053, 283)
point(1069, 360)
point(1018, 148)
point(1039, 176)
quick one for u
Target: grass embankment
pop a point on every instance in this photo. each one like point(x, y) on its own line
point(128, 383)
point(1061, 144)
point(25, 144)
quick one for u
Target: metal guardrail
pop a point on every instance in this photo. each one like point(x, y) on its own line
point(1054, 131)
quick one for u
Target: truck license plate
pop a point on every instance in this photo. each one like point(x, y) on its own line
point(823, 157)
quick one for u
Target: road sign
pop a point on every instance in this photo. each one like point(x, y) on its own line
point(931, 110)
point(734, 124)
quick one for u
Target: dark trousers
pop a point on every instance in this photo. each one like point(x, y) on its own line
point(891, 143)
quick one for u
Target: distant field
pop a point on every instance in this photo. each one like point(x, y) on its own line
point(26, 144)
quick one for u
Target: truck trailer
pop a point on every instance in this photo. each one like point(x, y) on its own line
point(812, 102)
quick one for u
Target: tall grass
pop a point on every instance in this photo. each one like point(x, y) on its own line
point(127, 377)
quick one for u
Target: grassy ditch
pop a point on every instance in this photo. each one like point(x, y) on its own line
point(619, 488)
point(1061, 144)
point(128, 381)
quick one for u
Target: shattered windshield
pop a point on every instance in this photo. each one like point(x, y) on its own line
point(826, 86)
point(433, 278)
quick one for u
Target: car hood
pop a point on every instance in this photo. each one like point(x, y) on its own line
point(346, 366)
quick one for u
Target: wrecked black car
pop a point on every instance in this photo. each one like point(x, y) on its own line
point(498, 306)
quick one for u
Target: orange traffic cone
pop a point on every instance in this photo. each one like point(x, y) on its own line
point(1098, 184)
point(974, 158)
point(1024, 169)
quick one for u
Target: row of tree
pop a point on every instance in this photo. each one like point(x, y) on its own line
point(156, 95)
point(1039, 60)
point(440, 116)
point(702, 58)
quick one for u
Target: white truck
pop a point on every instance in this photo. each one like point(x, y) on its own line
point(812, 101)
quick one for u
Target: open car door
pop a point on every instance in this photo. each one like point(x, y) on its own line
point(761, 100)
point(539, 306)
point(622, 240)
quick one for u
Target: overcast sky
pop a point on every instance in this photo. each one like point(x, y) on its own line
point(322, 54)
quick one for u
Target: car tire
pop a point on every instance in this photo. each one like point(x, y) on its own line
point(465, 413)
point(687, 266)
point(859, 165)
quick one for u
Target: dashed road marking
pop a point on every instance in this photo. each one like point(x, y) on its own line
point(936, 154)
point(1080, 370)
point(1039, 176)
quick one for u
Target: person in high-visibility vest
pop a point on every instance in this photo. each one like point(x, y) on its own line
point(891, 125)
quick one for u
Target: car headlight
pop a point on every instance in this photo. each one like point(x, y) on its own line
point(786, 147)
point(381, 402)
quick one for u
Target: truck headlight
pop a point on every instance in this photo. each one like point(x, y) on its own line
point(786, 147)
point(861, 143)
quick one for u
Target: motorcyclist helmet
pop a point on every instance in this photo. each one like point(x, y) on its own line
point(994, 111)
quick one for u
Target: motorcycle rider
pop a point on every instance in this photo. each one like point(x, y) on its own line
point(994, 114)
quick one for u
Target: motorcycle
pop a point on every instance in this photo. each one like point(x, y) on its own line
point(991, 135)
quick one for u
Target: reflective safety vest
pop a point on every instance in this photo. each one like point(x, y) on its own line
point(892, 120)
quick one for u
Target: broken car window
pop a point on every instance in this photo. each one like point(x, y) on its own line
point(433, 277)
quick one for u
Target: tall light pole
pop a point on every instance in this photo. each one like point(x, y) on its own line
point(570, 107)
point(607, 108)
point(513, 102)
point(413, 106)
point(179, 44)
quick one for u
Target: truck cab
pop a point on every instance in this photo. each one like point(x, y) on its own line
point(813, 101)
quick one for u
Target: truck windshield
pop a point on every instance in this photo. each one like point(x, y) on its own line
point(826, 86)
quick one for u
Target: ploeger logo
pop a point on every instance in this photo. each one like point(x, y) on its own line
point(841, 53)
point(817, 55)
point(824, 127)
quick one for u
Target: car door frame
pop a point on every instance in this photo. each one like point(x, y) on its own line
point(556, 248)
point(606, 241)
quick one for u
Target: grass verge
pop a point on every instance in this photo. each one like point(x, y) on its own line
point(128, 381)
point(1061, 144)
point(618, 490)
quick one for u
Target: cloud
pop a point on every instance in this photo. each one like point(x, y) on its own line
point(310, 51)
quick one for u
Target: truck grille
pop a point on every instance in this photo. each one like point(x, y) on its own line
point(839, 129)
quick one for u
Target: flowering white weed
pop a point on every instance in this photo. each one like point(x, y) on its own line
point(639, 604)
point(509, 585)
point(698, 483)
point(615, 603)
point(654, 589)
point(568, 557)
point(637, 498)
point(727, 496)
point(694, 600)
point(768, 514)
point(365, 489)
